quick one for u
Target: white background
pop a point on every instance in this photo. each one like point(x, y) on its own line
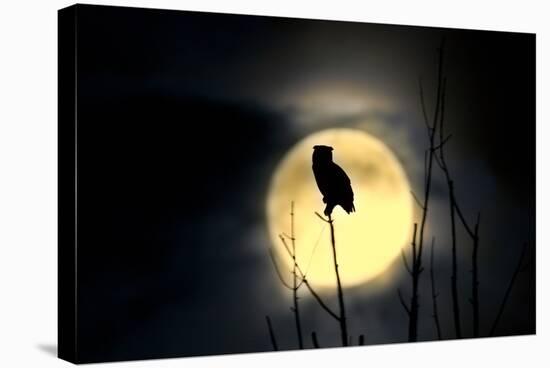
point(28, 181)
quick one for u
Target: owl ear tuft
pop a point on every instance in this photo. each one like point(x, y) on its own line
point(323, 147)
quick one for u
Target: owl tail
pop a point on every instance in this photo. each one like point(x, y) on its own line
point(349, 208)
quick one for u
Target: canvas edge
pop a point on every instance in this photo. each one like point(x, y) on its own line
point(67, 216)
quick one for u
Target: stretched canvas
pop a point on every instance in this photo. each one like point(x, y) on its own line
point(235, 183)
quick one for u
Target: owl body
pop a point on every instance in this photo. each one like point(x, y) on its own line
point(334, 184)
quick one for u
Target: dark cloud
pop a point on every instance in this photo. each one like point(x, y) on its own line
point(183, 117)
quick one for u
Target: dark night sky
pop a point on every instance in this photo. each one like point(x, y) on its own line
point(182, 118)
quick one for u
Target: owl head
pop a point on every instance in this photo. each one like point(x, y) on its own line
point(322, 154)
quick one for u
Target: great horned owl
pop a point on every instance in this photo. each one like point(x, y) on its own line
point(332, 181)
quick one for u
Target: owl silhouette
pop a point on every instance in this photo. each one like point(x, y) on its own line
point(332, 180)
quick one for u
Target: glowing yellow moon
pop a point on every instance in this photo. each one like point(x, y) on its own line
point(367, 241)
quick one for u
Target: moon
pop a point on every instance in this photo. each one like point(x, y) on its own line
point(367, 241)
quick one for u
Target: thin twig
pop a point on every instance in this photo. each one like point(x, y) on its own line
point(454, 276)
point(442, 115)
point(423, 104)
point(413, 244)
point(314, 249)
point(293, 259)
point(314, 339)
point(475, 280)
point(286, 246)
point(509, 289)
point(322, 218)
point(403, 302)
point(413, 309)
point(278, 271)
point(438, 161)
point(405, 262)
point(425, 168)
point(442, 142)
point(417, 200)
point(434, 293)
point(463, 220)
point(271, 334)
point(320, 301)
point(437, 109)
